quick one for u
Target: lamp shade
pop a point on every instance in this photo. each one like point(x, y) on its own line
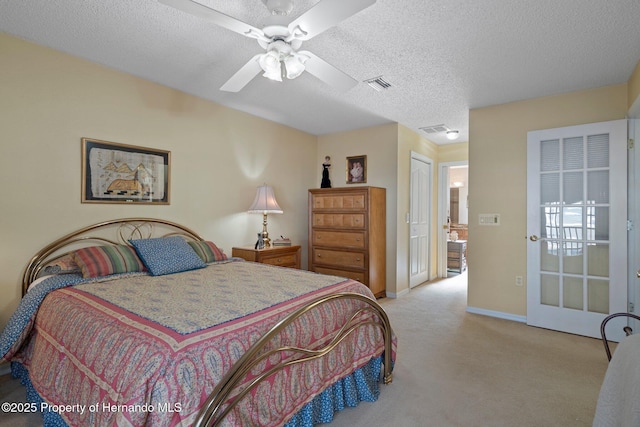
point(265, 201)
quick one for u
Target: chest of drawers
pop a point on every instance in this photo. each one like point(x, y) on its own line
point(347, 234)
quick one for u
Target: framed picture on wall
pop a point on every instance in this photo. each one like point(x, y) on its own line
point(120, 173)
point(356, 170)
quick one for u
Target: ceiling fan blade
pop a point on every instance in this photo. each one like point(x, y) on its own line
point(243, 76)
point(327, 72)
point(219, 18)
point(324, 15)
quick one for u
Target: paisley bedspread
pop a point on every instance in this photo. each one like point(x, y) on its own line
point(143, 350)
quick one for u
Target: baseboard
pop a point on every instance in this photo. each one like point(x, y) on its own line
point(5, 369)
point(498, 314)
point(398, 294)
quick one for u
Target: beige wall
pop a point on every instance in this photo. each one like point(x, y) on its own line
point(633, 93)
point(497, 184)
point(378, 143)
point(458, 152)
point(219, 156)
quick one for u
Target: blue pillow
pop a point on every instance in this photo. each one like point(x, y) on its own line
point(167, 255)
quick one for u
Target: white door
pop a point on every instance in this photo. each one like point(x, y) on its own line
point(577, 222)
point(419, 220)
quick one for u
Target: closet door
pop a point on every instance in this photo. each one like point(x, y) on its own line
point(420, 220)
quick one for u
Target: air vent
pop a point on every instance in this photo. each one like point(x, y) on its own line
point(378, 83)
point(434, 129)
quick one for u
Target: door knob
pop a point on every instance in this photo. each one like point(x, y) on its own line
point(534, 238)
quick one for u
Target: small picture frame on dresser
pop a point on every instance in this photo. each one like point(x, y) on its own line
point(357, 169)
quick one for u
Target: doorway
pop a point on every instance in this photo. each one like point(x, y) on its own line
point(453, 217)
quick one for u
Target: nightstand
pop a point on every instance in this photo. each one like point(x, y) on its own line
point(283, 256)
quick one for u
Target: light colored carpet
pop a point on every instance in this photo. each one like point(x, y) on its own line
point(460, 369)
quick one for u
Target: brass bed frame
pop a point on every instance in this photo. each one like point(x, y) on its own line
point(627, 329)
point(226, 394)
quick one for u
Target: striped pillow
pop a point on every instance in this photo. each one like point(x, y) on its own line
point(66, 264)
point(208, 251)
point(97, 261)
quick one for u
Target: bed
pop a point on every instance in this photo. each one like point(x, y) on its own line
point(155, 326)
point(618, 401)
point(619, 398)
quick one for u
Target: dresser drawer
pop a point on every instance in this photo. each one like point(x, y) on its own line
point(343, 239)
point(456, 246)
point(360, 276)
point(288, 260)
point(457, 264)
point(338, 201)
point(339, 258)
point(338, 220)
point(454, 262)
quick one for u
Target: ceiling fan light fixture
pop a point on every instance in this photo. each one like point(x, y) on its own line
point(270, 61)
point(270, 64)
point(275, 75)
point(294, 64)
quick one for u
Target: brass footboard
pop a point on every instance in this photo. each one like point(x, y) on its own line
point(627, 329)
point(214, 409)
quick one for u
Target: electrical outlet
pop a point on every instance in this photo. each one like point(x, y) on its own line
point(519, 281)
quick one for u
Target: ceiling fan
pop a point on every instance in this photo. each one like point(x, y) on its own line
point(282, 41)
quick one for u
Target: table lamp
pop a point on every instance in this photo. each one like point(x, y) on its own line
point(265, 203)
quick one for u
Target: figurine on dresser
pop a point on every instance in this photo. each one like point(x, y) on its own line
point(326, 182)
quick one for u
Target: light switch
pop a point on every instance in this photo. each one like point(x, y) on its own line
point(489, 219)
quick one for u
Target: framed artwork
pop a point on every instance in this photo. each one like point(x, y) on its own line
point(356, 169)
point(120, 173)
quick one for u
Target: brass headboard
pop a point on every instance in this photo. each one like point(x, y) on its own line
point(114, 232)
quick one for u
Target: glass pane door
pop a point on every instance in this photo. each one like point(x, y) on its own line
point(574, 213)
point(576, 202)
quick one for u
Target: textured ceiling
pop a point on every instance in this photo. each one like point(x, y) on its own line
point(442, 57)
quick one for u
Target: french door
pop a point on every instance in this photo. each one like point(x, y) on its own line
point(577, 226)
